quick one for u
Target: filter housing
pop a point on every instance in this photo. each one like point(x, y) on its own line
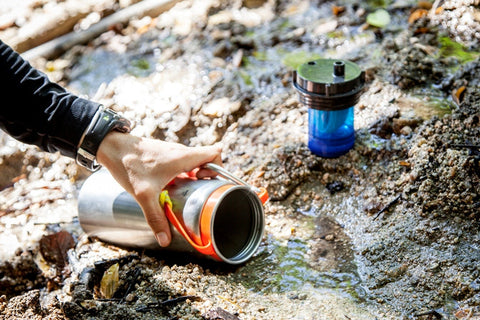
point(329, 88)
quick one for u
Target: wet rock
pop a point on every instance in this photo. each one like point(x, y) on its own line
point(224, 49)
point(434, 166)
point(399, 124)
point(412, 66)
point(460, 20)
point(220, 314)
point(288, 167)
point(332, 247)
point(244, 42)
point(372, 207)
point(20, 274)
point(28, 306)
point(382, 128)
point(335, 186)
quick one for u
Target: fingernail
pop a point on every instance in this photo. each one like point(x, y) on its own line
point(162, 239)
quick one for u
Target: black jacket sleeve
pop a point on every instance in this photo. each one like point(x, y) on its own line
point(37, 111)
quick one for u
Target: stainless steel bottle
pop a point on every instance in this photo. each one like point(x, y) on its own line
point(221, 218)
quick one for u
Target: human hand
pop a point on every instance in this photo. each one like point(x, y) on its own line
point(143, 167)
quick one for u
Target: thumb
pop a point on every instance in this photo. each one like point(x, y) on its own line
point(198, 156)
point(157, 220)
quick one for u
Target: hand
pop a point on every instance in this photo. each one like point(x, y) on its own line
point(143, 167)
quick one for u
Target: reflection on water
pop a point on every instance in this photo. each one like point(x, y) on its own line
point(323, 261)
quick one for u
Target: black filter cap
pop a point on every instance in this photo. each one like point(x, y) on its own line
point(329, 84)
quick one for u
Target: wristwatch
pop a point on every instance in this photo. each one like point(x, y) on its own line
point(104, 121)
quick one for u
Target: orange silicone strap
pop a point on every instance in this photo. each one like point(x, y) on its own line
point(203, 249)
point(263, 195)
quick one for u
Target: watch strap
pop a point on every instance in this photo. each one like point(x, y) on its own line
point(104, 121)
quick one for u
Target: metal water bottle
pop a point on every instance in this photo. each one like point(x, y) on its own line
point(221, 218)
point(329, 88)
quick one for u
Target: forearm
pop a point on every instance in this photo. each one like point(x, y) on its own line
point(38, 111)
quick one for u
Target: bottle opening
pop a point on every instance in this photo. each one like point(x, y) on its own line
point(238, 225)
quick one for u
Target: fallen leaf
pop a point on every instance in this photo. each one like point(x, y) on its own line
point(337, 10)
point(417, 14)
point(462, 314)
point(109, 282)
point(405, 164)
point(421, 30)
point(379, 18)
point(54, 248)
point(458, 95)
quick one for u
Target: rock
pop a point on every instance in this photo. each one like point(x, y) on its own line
point(220, 314)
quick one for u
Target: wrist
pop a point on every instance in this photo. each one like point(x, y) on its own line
point(104, 121)
point(114, 146)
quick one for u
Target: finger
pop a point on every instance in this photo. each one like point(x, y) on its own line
point(205, 173)
point(199, 156)
point(157, 221)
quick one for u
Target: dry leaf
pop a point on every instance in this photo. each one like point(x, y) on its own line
point(458, 95)
point(405, 164)
point(54, 248)
point(109, 282)
point(417, 14)
point(421, 30)
point(337, 10)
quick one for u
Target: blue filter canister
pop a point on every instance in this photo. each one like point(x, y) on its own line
point(329, 88)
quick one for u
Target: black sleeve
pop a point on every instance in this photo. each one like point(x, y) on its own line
point(37, 111)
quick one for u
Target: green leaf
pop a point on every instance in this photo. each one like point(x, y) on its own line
point(379, 18)
point(450, 48)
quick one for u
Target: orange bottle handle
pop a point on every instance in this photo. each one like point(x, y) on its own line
point(203, 249)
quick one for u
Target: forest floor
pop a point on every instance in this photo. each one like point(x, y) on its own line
point(390, 230)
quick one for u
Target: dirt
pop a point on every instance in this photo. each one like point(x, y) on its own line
point(388, 231)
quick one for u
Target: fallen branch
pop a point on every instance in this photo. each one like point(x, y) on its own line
point(432, 313)
point(165, 304)
point(57, 46)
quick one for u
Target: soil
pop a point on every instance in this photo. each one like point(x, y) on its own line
point(389, 230)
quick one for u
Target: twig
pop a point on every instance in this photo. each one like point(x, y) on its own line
point(166, 303)
point(428, 313)
point(466, 145)
point(132, 284)
point(61, 44)
point(434, 8)
point(391, 203)
point(108, 300)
